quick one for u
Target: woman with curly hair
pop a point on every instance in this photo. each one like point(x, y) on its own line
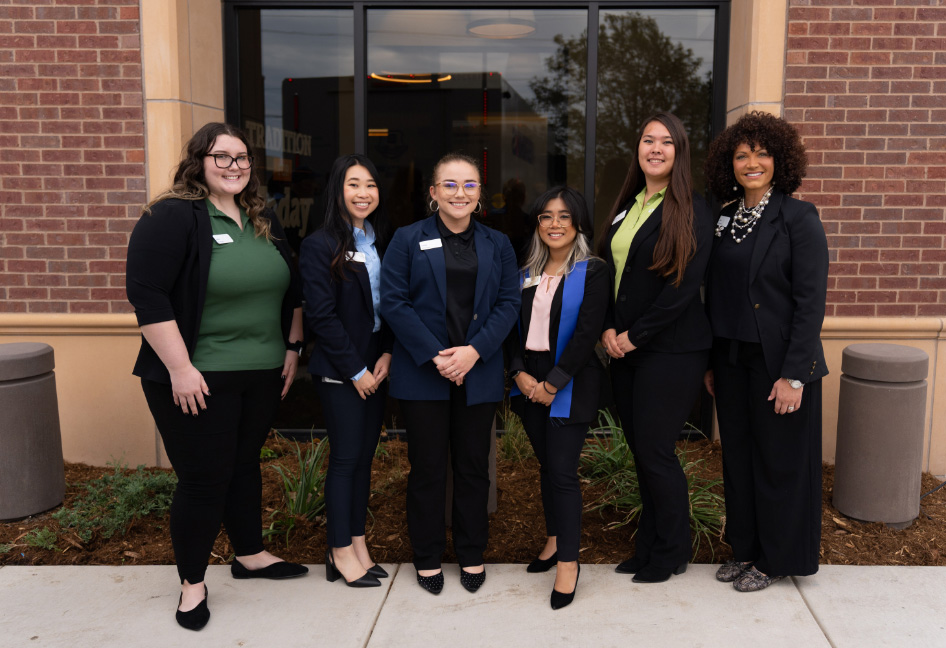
point(219, 307)
point(765, 297)
point(657, 245)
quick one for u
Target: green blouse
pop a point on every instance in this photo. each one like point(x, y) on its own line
point(637, 215)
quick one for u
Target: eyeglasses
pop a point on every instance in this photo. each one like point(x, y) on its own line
point(546, 220)
point(452, 187)
point(223, 161)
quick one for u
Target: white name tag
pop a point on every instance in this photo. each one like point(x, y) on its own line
point(357, 257)
point(431, 244)
point(531, 281)
point(331, 380)
point(223, 238)
point(723, 221)
point(619, 217)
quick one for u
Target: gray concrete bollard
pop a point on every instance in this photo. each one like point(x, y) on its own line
point(881, 413)
point(32, 476)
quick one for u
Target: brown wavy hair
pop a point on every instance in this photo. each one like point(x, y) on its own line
point(758, 130)
point(190, 183)
point(456, 156)
point(676, 243)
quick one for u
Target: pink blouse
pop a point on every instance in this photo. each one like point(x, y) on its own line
point(538, 339)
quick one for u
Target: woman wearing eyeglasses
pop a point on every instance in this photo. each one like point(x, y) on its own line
point(557, 373)
point(219, 307)
point(450, 293)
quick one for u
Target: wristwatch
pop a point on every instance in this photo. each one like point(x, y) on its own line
point(795, 384)
point(295, 346)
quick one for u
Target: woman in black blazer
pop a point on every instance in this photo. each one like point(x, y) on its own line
point(657, 334)
point(341, 272)
point(210, 277)
point(765, 295)
point(557, 373)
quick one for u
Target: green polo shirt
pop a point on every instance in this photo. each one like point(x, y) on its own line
point(636, 216)
point(240, 326)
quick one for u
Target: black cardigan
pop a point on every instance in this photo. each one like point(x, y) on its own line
point(578, 362)
point(167, 271)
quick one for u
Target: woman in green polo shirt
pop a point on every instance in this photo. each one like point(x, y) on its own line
point(219, 307)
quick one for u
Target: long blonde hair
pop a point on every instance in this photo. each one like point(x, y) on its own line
point(190, 184)
point(581, 246)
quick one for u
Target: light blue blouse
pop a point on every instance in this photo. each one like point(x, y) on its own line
point(364, 243)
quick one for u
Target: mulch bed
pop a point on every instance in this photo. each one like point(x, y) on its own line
point(516, 529)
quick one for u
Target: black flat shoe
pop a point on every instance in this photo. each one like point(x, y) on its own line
point(631, 566)
point(194, 619)
point(559, 600)
point(276, 571)
point(433, 584)
point(472, 582)
point(332, 574)
point(651, 573)
point(539, 565)
point(377, 571)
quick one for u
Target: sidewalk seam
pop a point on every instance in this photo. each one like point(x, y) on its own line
point(812, 612)
point(374, 623)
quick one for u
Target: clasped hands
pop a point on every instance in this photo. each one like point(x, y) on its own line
point(616, 345)
point(371, 380)
point(455, 363)
point(535, 391)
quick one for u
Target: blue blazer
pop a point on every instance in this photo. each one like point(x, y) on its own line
point(340, 313)
point(414, 304)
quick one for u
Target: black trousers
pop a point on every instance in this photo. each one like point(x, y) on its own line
point(771, 465)
point(354, 426)
point(435, 428)
point(216, 457)
point(654, 393)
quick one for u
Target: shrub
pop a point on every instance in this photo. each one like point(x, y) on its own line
point(514, 443)
point(303, 488)
point(44, 538)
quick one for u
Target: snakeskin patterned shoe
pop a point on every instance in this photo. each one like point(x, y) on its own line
point(753, 580)
point(731, 570)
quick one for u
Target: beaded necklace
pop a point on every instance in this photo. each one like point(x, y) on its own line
point(745, 219)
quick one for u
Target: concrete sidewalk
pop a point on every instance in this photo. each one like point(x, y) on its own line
point(131, 607)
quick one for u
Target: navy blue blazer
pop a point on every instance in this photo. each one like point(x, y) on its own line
point(340, 313)
point(414, 303)
point(788, 286)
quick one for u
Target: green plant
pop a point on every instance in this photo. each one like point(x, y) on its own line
point(514, 443)
point(609, 461)
point(267, 453)
point(113, 502)
point(304, 489)
point(44, 538)
point(6, 548)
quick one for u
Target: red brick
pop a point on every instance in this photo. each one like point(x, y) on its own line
point(69, 293)
point(892, 72)
point(869, 87)
point(841, 297)
point(808, 14)
point(847, 101)
point(849, 72)
point(97, 13)
point(928, 101)
point(877, 296)
point(913, 58)
point(850, 44)
point(805, 72)
point(855, 310)
point(933, 256)
point(92, 253)
point(99, 43)
point(934, 72)
point(34, 26)
point(902, 172)
point(872, 29)
point(898, 283)
point(83, 169)
point(76, 27)
point(899, 13)
point(870, 58)
point(931, 310)
point(875, 130)
point(900, 256)
point(853, 228)
point(896, 310)
point(886, 158)
point(87, 307)
point(917, 296)
point(900, 227)
point(920, 269)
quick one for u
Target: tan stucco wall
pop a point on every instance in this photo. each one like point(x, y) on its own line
point(182, 55)
point(757, 39)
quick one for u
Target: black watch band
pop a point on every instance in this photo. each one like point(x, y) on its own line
point(295, 346)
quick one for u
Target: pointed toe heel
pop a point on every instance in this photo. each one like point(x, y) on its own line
point(472, 582)
point(332, 574)
point(540, 565)
point(559, 600)
point(433, 584)
point(378, 571)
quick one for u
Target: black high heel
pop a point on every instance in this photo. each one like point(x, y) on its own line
point(378, 571)
point(631, 565)
point(194, 619)
point(651, 573)
point(559, 600)
point(332, 574)
point(539, 565)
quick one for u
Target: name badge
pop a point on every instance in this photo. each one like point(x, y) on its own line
point(619, 217)
point(531, 281)
point(431, 244)
point(723, 221)
point(223, 238)
point(357, 257)
point(325, 379)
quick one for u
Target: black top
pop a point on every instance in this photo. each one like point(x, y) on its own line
point(459, 258)
point(731, 313)
point(167, 270)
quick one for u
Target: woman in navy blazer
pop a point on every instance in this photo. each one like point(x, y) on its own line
point(765, 295)
point(557, 373)
point(449, 291)
point(657, 333)
point(341, 267)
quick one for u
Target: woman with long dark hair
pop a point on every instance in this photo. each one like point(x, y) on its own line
point(657, 245)
point(450, 293)
point(219, 306)
point(341, 271)
point(556, 371)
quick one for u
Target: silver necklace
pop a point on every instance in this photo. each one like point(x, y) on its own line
point(745, 219)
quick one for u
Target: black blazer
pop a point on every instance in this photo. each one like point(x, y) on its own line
point(657, 315)
point(340, 313)
point(788, 286)
point(167, 270)
point(579, 361)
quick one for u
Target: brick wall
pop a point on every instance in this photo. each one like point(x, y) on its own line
point(71, 153)
point(866, 86)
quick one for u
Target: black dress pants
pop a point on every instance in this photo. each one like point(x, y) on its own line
point(216, 457)
point(433, 428)
point(354, 426)
point(771, 465)
point(654, 393)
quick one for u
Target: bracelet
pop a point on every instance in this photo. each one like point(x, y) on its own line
point(546, 388)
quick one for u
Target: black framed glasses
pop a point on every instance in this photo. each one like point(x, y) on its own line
point(452, 187)
point(546, 220)
point(223, 161)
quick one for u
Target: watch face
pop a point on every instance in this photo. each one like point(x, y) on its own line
point(796, 384)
